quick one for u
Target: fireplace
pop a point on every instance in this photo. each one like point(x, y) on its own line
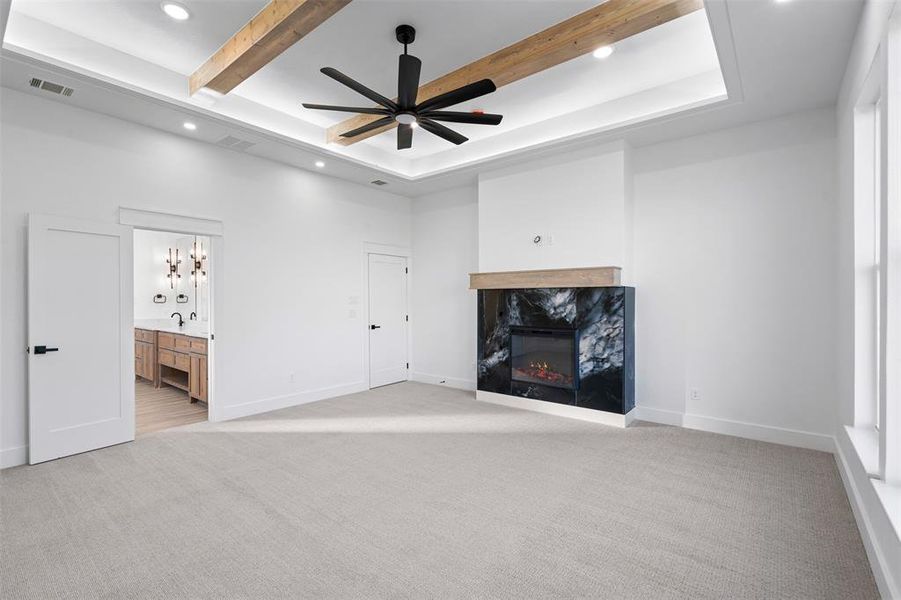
point(545, 356)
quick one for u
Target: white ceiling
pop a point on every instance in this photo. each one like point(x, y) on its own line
point(134, 43)
point(773, 59)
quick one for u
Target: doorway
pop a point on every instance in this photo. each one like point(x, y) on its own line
point(172, 329)
point(388, 319)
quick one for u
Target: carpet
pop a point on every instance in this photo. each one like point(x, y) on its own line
point(419, 491)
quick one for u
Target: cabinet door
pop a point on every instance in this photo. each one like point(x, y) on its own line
point(198, 378)
point(144, 360)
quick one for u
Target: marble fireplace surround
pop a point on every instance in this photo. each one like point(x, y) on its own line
point(589, 302)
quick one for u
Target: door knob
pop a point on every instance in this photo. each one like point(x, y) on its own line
point(44, 349)
point(375, 327)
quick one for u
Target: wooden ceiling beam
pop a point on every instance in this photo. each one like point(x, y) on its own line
point(273, 30)
point(602, 25)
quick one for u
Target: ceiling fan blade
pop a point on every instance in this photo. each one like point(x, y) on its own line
point(369, 127)
point(359, 88)
point(408, 81)
point(467, 92)
point(365, 111)
point(404, 137)
point(442, 131)
point(463, 117)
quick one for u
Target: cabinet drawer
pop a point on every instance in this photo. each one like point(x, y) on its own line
point(182, 343)
point(198, 345)
point(176, 360)
point(166, 340)
point(144, 335)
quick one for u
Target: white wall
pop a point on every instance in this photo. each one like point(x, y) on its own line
point(734, 270)
point(577, 203)
point(445, 251)
point(292, 248)
point(734, 260)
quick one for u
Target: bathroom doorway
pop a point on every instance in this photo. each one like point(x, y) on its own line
point(172, 299)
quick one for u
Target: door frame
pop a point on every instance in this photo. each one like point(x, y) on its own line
point(215, 230)
point(386, 250)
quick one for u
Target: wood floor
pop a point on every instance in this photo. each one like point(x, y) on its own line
point(158, 409)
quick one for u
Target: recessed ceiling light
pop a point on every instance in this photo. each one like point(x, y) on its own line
point(603, 52)
point(319, 164)
point(189, 126)
point(176, 10)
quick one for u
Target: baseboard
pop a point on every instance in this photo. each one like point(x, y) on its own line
point(560, 410)
point(888, 583)
point(658, 415)
point(13, 457)
point(263, 405)
point(454, 382)
point(762, 433)
point(752, 431)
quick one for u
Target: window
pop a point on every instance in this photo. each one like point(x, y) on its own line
point(877, 259)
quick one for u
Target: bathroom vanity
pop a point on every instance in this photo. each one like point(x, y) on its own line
point(169, 356)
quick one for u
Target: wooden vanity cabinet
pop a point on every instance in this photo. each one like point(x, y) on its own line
point(145, 355)
point(182, 364)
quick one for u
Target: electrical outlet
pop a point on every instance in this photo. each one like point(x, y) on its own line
point(694, 394)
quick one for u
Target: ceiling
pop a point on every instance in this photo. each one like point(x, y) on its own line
point(134, 42)
point(735, 62)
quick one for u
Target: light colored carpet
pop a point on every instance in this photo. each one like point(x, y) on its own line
point(416, 491)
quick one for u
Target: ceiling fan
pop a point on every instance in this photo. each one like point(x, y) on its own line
point(405, 110)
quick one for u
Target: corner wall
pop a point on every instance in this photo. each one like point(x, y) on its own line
point(734, 271)
point(445, 251)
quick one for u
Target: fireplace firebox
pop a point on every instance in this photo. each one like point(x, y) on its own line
point(545, 356)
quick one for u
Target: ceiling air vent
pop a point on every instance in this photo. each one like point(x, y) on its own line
point(234, 143)
point(49, 86)
point(378, 182)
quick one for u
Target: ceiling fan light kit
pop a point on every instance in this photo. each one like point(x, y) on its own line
point(404, 110)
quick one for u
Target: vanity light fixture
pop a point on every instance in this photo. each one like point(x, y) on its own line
point(319, 164)
point(173, 263)
point(189, 126)
point(176, 10)
point(198, 255)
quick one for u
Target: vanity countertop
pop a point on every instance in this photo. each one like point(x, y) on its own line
point(192, 328)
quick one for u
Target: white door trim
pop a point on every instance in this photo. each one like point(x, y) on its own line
point(389, 250)
point(214, 229)
point(160, 221)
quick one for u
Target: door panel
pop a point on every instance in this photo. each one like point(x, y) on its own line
point(387, 319)
point(80, 297)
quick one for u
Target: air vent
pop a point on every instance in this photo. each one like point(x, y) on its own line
point(49, 86)
point(378, 182)
point(234, 143)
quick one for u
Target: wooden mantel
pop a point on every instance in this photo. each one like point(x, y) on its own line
point(546, 278)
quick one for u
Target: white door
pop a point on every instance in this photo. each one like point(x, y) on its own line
point(387, 319)
point(80, 336)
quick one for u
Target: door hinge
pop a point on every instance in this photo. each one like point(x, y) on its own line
point(406, 269)
point(406, 317)
point(408, 365)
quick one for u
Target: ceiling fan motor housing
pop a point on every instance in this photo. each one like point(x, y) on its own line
point(406, 34)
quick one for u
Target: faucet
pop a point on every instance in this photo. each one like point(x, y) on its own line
point(193, 316)
point(181, 319)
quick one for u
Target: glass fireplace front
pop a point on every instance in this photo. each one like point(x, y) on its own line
point(545, 356)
